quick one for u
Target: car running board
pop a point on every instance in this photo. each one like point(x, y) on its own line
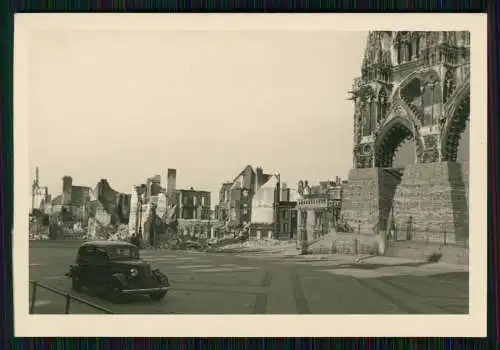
point(145, 290)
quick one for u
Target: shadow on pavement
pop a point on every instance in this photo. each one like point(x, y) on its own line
point(369, 266)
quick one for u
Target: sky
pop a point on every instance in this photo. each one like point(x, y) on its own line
point(127, 105)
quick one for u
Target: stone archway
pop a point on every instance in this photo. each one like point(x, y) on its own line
point(391, 136)
point(424, 76)
point(455, 121)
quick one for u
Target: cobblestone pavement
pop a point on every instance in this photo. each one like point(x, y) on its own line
point(205, 283)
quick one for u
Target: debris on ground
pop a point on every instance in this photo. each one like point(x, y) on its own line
point(267, 245)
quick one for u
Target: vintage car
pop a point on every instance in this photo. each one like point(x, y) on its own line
point(117, 269)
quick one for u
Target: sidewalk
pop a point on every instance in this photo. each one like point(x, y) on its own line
point(376, 260)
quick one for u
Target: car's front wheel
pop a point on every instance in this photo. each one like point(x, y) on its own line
point(76, 284)
point(114, 290)
point(158, 295)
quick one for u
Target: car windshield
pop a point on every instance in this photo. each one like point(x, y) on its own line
point(122, 253)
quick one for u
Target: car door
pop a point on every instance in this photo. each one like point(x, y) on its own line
point(85, 265)
point(102, 268)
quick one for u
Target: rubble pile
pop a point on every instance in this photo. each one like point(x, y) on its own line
point(119, 234)
point(39, 236)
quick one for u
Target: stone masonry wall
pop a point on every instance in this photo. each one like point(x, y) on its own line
point(430, 204)
point(360, 201)
point(465, 177)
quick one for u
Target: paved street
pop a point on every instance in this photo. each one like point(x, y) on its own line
point(205, 283)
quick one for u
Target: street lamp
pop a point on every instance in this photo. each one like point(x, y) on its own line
point(276, 206)
point(139, 208)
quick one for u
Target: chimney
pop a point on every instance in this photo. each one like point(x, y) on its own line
point(285, 194)
point(259, 172)
point(155, 185)
point(278, 188)
point(67, 184)
point(37, 176)
point(171, 179)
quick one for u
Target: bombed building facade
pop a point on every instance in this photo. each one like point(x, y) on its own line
point(319, 207)
point(259, 202)
point(235, 197)
point(41, 200)
point(72, 205)
point(154, 210)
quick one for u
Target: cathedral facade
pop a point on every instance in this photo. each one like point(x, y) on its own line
point(414, 86)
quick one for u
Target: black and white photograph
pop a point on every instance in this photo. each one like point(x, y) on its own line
point(234, 167)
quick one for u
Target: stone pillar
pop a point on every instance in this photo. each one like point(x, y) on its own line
point(366, 196)
point(382, 241)
point(299, 226)
point(310, 221)
point(212, 233)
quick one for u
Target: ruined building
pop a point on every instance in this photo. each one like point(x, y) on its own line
point(193, 204)
point(235, 198)
point(413, 86)
point(319, 207)
point(286, 213)
point(151, 206)
point(40, 197)
point(154, 209)
point(221, 210)
point(258, 201)
point(72, 204)
point(107, 201)
point(264, 219)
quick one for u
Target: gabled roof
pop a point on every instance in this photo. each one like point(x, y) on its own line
point(242, 172)
point(236, 183)
point(271, 182)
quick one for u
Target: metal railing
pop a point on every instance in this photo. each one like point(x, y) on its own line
point(68, 299)
point(405, 232)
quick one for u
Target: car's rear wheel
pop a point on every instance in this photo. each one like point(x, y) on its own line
point(76, 284)
point(158, 295)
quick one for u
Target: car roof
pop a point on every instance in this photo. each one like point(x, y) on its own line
point(108, 244)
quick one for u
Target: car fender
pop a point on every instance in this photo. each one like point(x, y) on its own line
point(121, 278)
point(160, 277)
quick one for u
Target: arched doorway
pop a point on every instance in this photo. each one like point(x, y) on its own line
point(397, 146)
point(397, 133)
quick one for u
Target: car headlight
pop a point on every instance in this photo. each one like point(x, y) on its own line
point(133, 272)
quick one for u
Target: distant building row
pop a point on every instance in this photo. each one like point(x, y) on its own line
point(255, 200)
point(269, 208)
point(79, 203)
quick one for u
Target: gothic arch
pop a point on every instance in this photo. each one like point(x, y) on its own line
point(391, 136)
point(425, 76)
point(455, 120)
